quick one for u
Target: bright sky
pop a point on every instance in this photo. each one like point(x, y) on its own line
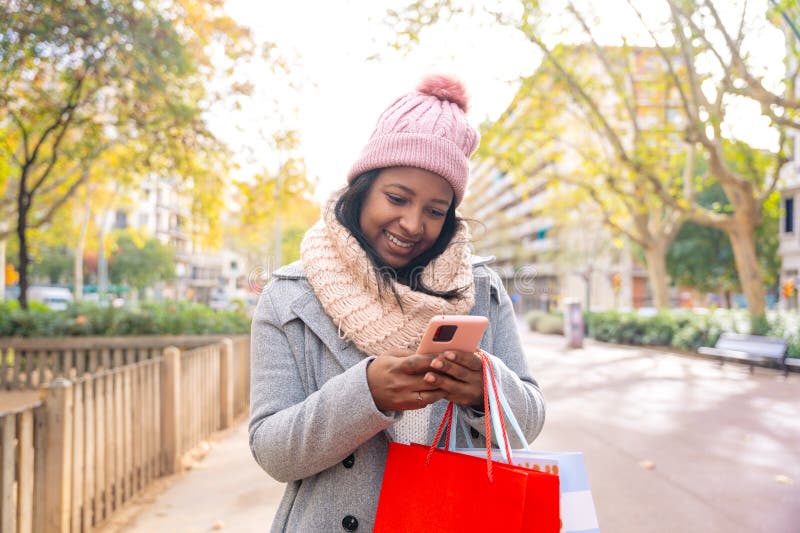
point(342, 93)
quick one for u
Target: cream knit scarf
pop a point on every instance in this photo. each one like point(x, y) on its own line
point(343, 279)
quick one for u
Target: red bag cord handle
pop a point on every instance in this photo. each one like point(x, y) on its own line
point(448, 416)
point(488, 363)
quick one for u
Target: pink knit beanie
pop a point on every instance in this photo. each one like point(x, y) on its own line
point(426, 129)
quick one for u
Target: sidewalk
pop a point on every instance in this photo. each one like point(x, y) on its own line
point(225, 491)
point(672, 444)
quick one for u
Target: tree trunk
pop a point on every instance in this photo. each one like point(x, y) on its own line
point(102, 268)
point(746, 215)
point(23, 204)
point(2, 269)
point(79, 247)
point(655, 256)
point(743, 242)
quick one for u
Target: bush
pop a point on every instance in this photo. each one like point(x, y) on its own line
point(551, 325)
point(86, 318)
point(532, 318)
point(681, 329)
point(544, 322)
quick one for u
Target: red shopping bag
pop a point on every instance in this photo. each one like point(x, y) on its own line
point(430, 489)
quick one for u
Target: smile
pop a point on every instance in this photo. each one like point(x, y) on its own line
point(398, 242)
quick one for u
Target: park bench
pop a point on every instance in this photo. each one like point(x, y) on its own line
point(751, 349)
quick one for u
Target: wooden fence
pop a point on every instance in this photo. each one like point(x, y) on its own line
point(28, 363)
point(241, 374)
point(97, 440)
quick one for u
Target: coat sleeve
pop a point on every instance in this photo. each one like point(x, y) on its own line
point(294, 435)
point(511, 370)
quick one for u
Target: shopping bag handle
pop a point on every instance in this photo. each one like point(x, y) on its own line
point(490, 398)
point(497, 392)
point(508, 415)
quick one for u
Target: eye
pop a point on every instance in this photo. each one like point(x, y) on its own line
point(397, 200)
point(438, 213)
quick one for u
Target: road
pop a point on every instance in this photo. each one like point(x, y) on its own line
point(672, 443)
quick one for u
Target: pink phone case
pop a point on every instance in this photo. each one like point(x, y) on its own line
point(465, 338)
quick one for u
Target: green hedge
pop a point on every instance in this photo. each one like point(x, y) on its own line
point(678, 329)
point(544, 322)
point(167, 317)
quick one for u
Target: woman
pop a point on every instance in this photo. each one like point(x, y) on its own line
point(335, 376)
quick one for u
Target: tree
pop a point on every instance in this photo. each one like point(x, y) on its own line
point(77, 79)
point(716, 71)
point(54, 264)
point(547, 123)
point(702, 256)
point(140, 263)
point(270, 196)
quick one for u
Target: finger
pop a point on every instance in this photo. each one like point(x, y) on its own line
point(466, 359)
point(456, 391)
point(443, 381)
point(416, 364)
point(454, 370)
point(429, 396)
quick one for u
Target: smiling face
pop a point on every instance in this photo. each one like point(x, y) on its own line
point(403, 213)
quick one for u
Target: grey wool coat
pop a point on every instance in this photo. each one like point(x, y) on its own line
point(314, 424)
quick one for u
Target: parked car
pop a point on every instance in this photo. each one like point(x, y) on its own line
point(113, 301)
point(56, 298)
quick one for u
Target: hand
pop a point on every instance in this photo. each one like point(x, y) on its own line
point(396, 382)
point(460, 376)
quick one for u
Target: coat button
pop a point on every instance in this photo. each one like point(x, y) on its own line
point(349, 461)
point(350, 523)
point(474, 433)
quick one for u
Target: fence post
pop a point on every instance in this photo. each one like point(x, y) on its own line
point(171, 414)
point(57, 398)
point(8, 456)
point(226, 383)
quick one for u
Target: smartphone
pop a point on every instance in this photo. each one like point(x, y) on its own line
point(460, 333)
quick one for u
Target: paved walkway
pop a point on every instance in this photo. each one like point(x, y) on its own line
point(672, 444)
point(225, 491)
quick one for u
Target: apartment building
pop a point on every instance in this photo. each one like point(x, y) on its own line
point(160, 208)
point(789, 243)
point(789, 188)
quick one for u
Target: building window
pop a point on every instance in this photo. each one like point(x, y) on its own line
point(788, 214)
point(120, 220)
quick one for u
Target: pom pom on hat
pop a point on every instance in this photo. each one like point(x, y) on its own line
point(445, 88)
point(426, 129)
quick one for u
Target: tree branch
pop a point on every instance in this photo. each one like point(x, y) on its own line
point(759, 93)
point(53, 155)
point(48, 213)
point(607, 65)
point(689, 106)
point(584, 96)
point(67, 109)
point(21, 126)
point(697, 132)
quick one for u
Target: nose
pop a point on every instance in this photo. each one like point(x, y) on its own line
point(411, 223)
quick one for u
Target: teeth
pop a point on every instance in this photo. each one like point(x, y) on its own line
point(399, 243)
